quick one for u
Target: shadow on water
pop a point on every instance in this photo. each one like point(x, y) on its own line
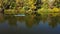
point(1, 18)
point(12, 21)
point(30, 23)
point(53, 21)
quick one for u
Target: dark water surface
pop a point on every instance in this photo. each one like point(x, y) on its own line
point(29, 24)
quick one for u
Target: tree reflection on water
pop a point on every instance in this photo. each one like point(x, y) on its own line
point(31, 20)
point(53, 21)
point(12, 21)
point(1, 18)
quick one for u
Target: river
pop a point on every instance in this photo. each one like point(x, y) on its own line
point(29, 24)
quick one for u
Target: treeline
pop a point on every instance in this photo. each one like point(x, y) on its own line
point(28, 5)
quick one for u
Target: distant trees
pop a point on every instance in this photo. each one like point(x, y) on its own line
point(38, 4)
point(54, 3)
point(57, 3)
point(50, 3)
point(28, 5)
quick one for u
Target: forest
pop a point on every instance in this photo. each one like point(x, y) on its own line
point(29, 6)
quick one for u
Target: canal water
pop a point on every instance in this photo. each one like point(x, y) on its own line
point(29, 24)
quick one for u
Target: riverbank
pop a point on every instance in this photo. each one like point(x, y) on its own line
point(42, 11)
